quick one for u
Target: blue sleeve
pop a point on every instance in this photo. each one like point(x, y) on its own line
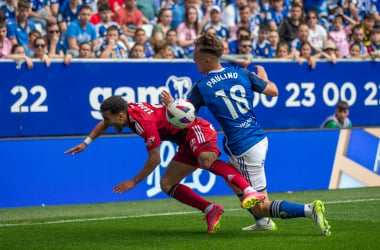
point(196, 98)
point(258, 85)
point(94, 34)
point(32, 25)
point(11, 30)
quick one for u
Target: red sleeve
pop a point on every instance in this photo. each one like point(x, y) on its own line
point(149, 132)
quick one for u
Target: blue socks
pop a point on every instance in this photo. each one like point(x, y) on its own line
point(286, 210)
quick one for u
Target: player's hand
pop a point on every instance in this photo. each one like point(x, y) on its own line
point(77, 149)
point(124, 186)
point(166, 97)
point(29, 62)
point(261, 73)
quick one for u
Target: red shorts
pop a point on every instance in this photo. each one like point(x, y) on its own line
point(201, 137)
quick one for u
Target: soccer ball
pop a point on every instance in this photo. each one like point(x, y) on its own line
point(180, 113)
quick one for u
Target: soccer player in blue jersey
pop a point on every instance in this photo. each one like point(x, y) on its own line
point(228, 94)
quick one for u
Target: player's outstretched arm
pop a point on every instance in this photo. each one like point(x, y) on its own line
point(166, 97)
point(99, 129)
point(153, 160)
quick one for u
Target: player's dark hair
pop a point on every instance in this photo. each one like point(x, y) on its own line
point(171, 30)
point(354, 44)
point(51, 24)
point(115, 104)
point(104, 7)
point(15, 46)
point(84, 7)
point(139, 30)
point(241, 8)
point(211, 45)
point(375, 30)
point(112, 28)
point(369, 16)
point(342, 105)
point(134, 47)
point(85, 43)
point(23, 4)
point(356, 27)
point(264, 26)
point(243, 29)
point(2, 25)
point(160, 45)
point(296, 5)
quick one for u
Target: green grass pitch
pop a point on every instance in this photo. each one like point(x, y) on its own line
point(354, 215)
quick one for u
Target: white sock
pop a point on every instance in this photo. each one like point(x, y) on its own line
point(263, 221)
point(249, 190)
point(208, 209)
point(308, 211)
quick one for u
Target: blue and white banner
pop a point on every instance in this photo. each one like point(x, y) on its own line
point(36, 172)
point(65, 100)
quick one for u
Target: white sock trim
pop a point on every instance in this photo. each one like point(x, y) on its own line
point(208, 208)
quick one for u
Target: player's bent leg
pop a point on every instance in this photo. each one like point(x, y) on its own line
point(261, 213)
point(174, 173)
point(229, 173)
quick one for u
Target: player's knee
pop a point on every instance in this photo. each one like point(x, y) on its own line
point(165, 185)
point(206, 159)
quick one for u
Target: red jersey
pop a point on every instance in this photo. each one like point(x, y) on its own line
point(116, 5)
point(123, 17)
point(149, 121)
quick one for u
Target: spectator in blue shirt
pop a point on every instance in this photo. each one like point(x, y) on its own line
point(171, 38)
point(19, 28)
point(68, 13)
point(55, 46)
point(55, 5)
point(222, 30)
point(261, 45)
point(81, 30)
point(112, 47)
point(9, 8)
point(41, 14)
point(275, 14)
point(105, 15)
point(242, 32)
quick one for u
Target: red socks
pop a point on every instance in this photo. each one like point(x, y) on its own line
point(187, 196)
point(229, 173)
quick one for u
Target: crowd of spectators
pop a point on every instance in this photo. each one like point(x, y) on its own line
point(302, 30)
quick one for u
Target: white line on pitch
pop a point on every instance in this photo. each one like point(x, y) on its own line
point(149, 215)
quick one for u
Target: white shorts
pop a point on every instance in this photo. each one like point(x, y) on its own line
point(251, 165)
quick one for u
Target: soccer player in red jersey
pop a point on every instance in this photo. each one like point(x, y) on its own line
point(197, 148)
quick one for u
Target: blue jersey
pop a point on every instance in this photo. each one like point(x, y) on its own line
point(273, 16)
point(87, 34)
point(101, 28)
point(18, 32)
point(261, 50)
point(228, 94)
point(8, 12)
point(65, 14)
